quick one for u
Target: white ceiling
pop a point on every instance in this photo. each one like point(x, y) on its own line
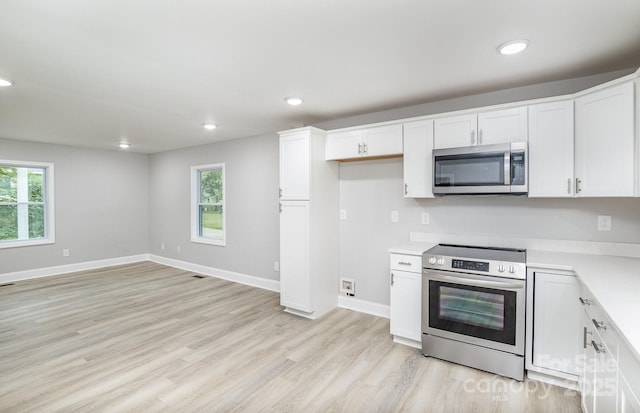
point(93, 72)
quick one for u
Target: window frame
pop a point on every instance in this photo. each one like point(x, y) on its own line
point(48, 202)
point(195, 205)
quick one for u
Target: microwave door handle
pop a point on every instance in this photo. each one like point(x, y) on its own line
point(507, 168)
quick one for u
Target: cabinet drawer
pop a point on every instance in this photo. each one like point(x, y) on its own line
point(410, 263)
point(600, 323)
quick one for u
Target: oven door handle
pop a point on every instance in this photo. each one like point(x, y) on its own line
point(476, 283)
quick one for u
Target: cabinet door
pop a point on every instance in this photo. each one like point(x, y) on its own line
point(605, 142)
point(557, 322)
point(344, 145)
point(455, 131)
point(551, 150)
point(502, 126)
point(295, 249)
point(418, 162)
point(295, 166)
point(588, 367)
point(382, 141)
point(405, 304)
point(627, 400)
point(606, 381)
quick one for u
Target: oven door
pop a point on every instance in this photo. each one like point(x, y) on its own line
point(482, 310)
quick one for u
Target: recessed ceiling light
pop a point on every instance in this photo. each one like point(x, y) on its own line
point(5, 82)
point(124, 145)
point(513, 47)
point(209, 126)
point(293, 101)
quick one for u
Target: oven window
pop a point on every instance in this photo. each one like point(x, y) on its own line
point(472, 307)
point(466, 170)
point(473, 311)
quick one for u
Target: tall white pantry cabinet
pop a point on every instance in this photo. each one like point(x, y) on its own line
point(309, 212)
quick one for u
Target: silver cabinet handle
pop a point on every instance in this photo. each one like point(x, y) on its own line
point(584, 301)
point(600, 325)
point(584, 337)
point(359, 149)
point(578, 182)
point(406, 188)
point(364, 148)
point(480, 137)
point(473, 137)
point(598, 348)
point(279, 192)
point(569, 186)
point(403, 263)
point(280, 207)
point(392, 279)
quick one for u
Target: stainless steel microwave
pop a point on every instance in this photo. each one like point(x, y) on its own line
point(482, 169)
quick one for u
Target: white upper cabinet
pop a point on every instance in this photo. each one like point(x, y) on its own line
point(295, 165)
point(418, 164)
point(502, 126)
point(604, 142)
point(551, 150)
point(485, 128)
point(360, 143)
point(344, 145)
point(456, 131)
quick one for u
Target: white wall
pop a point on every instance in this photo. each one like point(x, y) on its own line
point(101, 205)
point(370, 190)
point(252, 220)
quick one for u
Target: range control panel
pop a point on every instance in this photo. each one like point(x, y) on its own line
point(470, 265)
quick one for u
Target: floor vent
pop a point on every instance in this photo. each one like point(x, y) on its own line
point(6, 285)
point(198, 276)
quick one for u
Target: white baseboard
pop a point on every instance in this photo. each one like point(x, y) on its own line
point(362, 306)
point(265, 284)
point(67, 268)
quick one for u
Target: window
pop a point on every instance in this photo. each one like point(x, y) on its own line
point(26, 203)
point(207, 204)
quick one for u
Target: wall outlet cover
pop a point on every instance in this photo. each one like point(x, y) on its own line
point(395, 216)
point(604, 223)
point(424, 219)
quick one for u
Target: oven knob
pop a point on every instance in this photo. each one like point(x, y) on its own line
point(512, 269)
point(501, 268)
point(440, 261)
point(432, 260)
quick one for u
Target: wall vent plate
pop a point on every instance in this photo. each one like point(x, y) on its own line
point(347, 286)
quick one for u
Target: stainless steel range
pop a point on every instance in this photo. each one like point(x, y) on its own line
point(473, 307)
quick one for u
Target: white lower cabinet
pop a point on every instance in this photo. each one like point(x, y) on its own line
point(295, 245)
point(554, 324)
point(405, 299)
point(611, 371)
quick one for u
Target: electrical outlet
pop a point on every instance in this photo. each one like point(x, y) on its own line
point(178, 249)
point(65, 252)
point(162, 246)
point(343, 214)
point(395, 216)
point(276, 266)
point(604, 223)
point(425, 218)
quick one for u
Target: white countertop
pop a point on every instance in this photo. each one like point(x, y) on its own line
point(613, 281)
point(412, 248)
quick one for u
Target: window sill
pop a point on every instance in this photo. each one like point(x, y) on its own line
point(26, 243)
point(220, 243)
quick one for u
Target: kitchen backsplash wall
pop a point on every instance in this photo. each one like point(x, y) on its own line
point(371, 190)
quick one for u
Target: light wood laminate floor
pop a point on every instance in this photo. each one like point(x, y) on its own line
point(150, 338)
